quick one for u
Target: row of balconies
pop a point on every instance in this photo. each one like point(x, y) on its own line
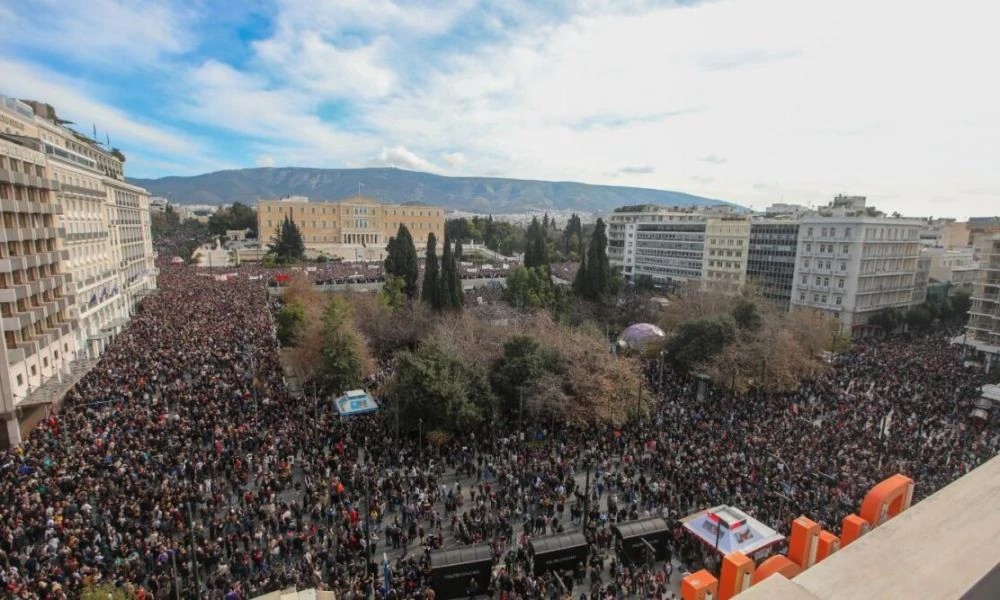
point(37, 259)
point(28, 348)
point(30, 207)
point(24, 290)
point(85, 192)
point(24, 234)
point(26, 180)
point(33, 314)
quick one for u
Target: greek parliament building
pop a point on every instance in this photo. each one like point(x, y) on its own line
point(76, 255)
point(355, 228)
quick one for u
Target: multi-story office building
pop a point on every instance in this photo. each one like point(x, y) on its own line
point(850, 265)
point(984, 315)
point(727, 240)
point(84, 199)
point(673, 246)
point(356, 228)
point(981, 232)
point(131, 244)
point(663, 244)
point(921, 280)
point(771, 258)
point(35, 298)
point(944, 261)
point(92, 232)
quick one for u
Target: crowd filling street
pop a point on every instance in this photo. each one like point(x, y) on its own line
point(181, 467)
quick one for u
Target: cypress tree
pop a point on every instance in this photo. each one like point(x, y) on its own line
point(455, 282)
point(430, 292)
point(444, 280)
point(401, 260)
point(598, 279)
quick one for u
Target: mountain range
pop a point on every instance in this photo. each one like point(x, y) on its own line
point(471, 194)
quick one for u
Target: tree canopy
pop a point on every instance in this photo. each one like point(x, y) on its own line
point(430, 290)
point(401, 260)
point(450, 296)
point(594, 279)
point(287, 243)
point(237, 216)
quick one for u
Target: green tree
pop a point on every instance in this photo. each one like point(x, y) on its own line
point(440, 389)
point(449, 282)
point(458, 249)
point(290, 321)
point(918, 317)
point(960, 303)
point(523, 362)
point(746, 315)
point(391, 294)
point(530, 288)
point(431, 291)
point(237, 216)
point(887, 319)
point(401, 260)
point(698, 341)
point(287, 243)
point(342, 365)
point(536, 254)
point(596, 282)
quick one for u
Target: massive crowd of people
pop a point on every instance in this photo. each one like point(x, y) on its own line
point(181, 467)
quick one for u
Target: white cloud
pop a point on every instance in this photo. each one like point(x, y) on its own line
point(400, 157)
point(453, 159)
point(636, 170)
point(112, 33)
point(219, 96)
point(70, 98)
point(265, 161)
point(817, 97)
point(307, 60)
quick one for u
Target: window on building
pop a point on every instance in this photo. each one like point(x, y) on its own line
point(847, 232)
point(802, 296)
point(826, 281)
point(840, 282)
point(839, 300)
point(809, 247)
point(809, 232)
point(843, 266)
point(823, 299)
point(20, 380)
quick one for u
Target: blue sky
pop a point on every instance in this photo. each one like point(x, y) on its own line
point(754, 101)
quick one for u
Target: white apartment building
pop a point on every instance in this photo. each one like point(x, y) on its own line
point(84, 200)
point(945, 261)
point(35, 298)
point(984, 315)
point(101, 253)
point(673, 246)
point(727, 243)
point(849, 265)
point(131, 243)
